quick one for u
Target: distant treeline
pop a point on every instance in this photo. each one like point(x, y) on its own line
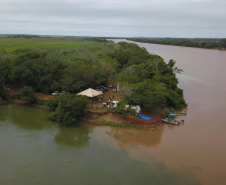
point(29, 36)
point(22, 36)
point(198, 43)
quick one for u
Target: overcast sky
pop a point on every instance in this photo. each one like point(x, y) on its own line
point(120, 18)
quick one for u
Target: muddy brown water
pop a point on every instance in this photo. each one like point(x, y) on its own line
point(37, 151)
point(197, 146)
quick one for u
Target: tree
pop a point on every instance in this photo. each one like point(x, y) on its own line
point(123, 110)
point(175, 99)
point(4, 75)
point(67, 108)
point(27, 94)
point(79, 76)
point(222, 43)
point(149, 95)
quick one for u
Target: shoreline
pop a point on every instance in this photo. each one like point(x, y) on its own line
point(109, 117)
point(97, 116)
point(113, 118)
point(179, 46)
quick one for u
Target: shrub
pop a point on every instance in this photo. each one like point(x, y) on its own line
point(67, 108)
point(27, 94)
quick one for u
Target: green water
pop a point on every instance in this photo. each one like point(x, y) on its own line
point(37, 151)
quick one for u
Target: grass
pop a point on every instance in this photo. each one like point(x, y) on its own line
point(126, 125)
point(11, 44)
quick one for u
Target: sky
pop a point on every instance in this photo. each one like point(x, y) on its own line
point(115, 18)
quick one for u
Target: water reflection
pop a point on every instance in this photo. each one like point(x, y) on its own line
point(140, 145)
point(3, 112)
point(131, 136)
point(32, 118)
point(30, 155)
point(76, 136)
point(199, 143)
point(28, 118)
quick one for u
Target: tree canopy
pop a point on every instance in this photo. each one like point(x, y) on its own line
point(27, 94)
point(67, 108)
point(149, 81)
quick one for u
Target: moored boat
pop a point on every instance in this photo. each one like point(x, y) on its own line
point(181, 113)
point(171, 121)
point(178, 113)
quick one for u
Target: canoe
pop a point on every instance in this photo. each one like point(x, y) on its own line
point(181, 113)
point(178, 113)
point(174, 122)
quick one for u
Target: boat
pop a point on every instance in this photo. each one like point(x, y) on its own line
point(178, 113)
point(181, 113)
point(171, 121)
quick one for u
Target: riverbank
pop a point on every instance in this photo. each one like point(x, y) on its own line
point(12, 98)
point(113, 118)
point(94, 115)
point(2, 102)
point(190, 43)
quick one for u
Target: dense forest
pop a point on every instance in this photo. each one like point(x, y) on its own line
point(198, 43)
point(145, 79)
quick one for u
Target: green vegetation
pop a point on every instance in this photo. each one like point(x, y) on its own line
point(148, 80)
point(67, 108)
point(4, 71)
point(2, 93)
point(27, 94)
point(2, 101)
point(122, 110)
point(11, 44)
point(50, 69)
point(145, 79)
point(198, 43)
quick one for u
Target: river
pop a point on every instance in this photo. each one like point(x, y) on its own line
point(37, 151)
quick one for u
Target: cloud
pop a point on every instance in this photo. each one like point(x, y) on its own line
point(114, 17)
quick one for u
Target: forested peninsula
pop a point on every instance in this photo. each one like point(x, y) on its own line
point(145, 79)
point(198, 43)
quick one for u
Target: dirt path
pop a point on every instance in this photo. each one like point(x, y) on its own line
point(12, 92)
